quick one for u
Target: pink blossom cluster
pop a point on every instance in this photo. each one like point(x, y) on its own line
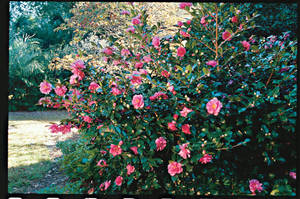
point(60, 128)
point(158, 95)
point(255, 185)
point(205, 159)
point(185, 5)
point(78, 74)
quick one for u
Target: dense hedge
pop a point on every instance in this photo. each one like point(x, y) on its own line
point(208, 110)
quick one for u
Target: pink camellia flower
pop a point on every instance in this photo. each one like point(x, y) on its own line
point(188, 22)
point(184, 153)
point(87, 119)
point(179, 23)
point(138, 101)
point(125, 12)
point(139, 65)
point(115, 149)
point(158, 95)
point(205, 159)
point(134, 149)
point(115, 91)
point(116, 62)
point(234, 19)
point(212, 63)
point(186, 128)
point(125, 52)
point(78, 64)
point(60, 90)
point(184, 5)
point(91, 191)
point(172, 126)
point(130, 29)
point(165, 73)
point(226, 36)
point(246, 45)
point(108, 51)
point(175, 116)
point(54, 128)
point(106, 184)
point(203, 21)
point(181, 51)
point(44, 100)
point(156, 42)
point(214, 106)
point(93, 87)
point(73, 79)
point(255, 185)
point(185, 111)
point(184, 34)
point(45, 87)
point(174, 168)
point(143, 72)
point(136, 78)
point(147, 59)
point(102, 163)
point(78, 73)
point(161, 143)
point(130, 169)
point(65, 129)
point(136, 21)
point(293, 175)
point(119, 180)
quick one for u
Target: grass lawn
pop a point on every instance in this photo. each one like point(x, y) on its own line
point(32, 151)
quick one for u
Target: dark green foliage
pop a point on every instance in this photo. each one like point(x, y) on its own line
point(32, 44)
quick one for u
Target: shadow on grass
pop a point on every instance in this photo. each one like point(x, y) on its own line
point(41, 177)
point(25, 179)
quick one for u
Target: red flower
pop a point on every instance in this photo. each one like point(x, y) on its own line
point(172, 126)
point(226, 35)
point(246, 45)
point(205, 159)
point(165, 73)
point(186, 128)
point(234, 19)
point(181, 51)
point(118, 181)
point(134, 149)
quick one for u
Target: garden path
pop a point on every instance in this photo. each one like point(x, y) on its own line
point(32, 151)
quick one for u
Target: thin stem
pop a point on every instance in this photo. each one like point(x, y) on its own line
point(216, 43)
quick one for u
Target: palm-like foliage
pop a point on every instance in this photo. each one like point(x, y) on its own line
point(26, 67)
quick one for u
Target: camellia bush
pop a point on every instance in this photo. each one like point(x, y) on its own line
point(206, 111)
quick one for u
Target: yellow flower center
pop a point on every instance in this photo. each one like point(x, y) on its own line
point(214, 106)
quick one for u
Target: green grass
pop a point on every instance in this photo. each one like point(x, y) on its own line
point(31, 149)
point(21, 178)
